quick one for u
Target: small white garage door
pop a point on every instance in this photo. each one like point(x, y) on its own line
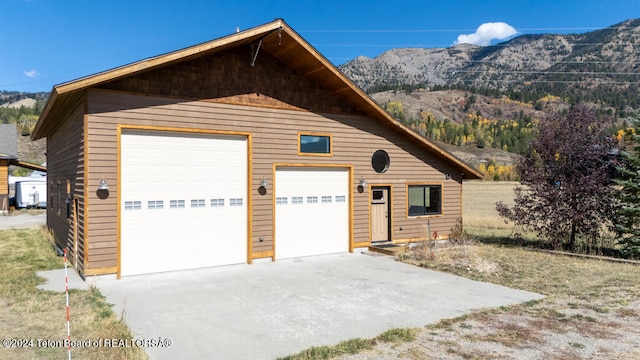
point(183, 201)
point(312, 211)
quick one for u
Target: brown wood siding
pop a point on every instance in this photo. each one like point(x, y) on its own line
point(4, 185)
point(274, 135)
point(229, 77)
point(4, 177)
point(65, 162)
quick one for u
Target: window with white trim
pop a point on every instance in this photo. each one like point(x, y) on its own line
point(326, 199)
point(281, 200)
point(296, 200)
point(341, 198)
point(312, 199)
point(235, 202)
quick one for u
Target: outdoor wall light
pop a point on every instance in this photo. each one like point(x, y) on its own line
point(361, 185)
point(103, 190)
point(262, 189)
point(103, 185)
point(447, 176)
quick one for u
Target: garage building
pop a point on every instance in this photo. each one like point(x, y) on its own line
point(246, 147)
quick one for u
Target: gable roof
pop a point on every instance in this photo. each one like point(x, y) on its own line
point(277, 38)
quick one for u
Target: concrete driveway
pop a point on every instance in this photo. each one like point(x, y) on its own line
point(272, 309)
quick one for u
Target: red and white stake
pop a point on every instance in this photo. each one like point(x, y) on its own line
point(66, 279)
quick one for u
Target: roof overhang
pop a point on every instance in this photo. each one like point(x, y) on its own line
point(12, 160)
point(29, 166)
point(277, 38)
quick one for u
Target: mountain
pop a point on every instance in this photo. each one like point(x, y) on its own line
point(602, 66)
point(15, 99)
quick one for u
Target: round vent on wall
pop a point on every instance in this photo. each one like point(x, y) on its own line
point(380, 161)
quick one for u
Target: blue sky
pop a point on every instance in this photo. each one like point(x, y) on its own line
point(47, 42)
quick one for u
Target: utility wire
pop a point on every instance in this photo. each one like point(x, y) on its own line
point(457, 30)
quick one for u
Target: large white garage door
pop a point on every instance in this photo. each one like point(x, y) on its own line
point(312, 211)
point(183, 201)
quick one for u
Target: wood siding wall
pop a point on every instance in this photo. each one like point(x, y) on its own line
point(65, 162)
point(275, 140)
point(228, 77)
point(4, 185)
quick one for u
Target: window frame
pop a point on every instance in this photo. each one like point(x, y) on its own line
point(439, 212)
point(314, 134)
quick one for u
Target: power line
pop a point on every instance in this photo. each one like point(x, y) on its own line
point(399, 80)
point(542, 72)
point(448, 46)
point(457, 30)
point(551, 63)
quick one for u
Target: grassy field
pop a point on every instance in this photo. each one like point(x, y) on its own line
point(40, 316)
point(592, 308)
point(479, 203)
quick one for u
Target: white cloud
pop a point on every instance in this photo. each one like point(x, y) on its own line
point(487, 32)
point(31, 73)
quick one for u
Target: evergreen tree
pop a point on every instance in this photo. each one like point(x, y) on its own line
point(627, 217)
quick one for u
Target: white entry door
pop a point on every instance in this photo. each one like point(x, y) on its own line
point(183, 201)
point(312, 211)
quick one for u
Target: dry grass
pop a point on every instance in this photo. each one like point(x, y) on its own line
point(479, 203)
point(29, 313)
point(592, 309)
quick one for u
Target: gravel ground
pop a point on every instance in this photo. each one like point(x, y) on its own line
point(22, 221)
point(550, 329)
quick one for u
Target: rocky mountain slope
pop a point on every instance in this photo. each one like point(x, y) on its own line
point(601, 65)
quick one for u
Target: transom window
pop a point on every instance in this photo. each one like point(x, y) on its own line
point(197, 203)
point(217, 202)
point(176, 204)
point(314, 144)
point(133, 205)
point(155, 204)
point(424, 200)
point(235, 202)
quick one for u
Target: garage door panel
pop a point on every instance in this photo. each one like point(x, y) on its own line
point(312, 211)
point(173, 178)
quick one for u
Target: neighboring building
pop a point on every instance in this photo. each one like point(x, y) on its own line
point(5, 161)
point(9, 140)
point(7, 182)
point(249, 146)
